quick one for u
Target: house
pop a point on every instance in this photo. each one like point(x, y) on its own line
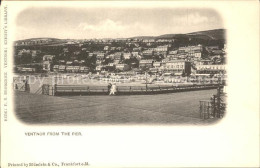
point(118, 56)
point(83, 69)
point(48, 58)
point(46, 66)
point(146, 63)
point(127, 55)
point(98, 62)
point(106, 48)
point(210, 68)
point(62, 68)
point(154, 70)
point(161, 48)
point(99, 68)
point(148, 52)
point(56, 68)
point(137, 49)
point(116, 62)
point(111, 56)
point(164, 40)
point(157, 64)
point(35, 52)
point(110, 64)
point(90, 54)
point(135, 54)
point(123, 67)
point(113, 48)
point(149, 40)
point(195, 54)
point(69, 62)
point(212, 47)
point(190, 48)
point(24, 69)
point(202, 62)
point(23, 51)
point(100, 55)
point(73, 69)
point(173, 52)
point(178, 66)
point(61, 61)
point(82, 61)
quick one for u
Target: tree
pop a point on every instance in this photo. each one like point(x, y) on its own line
point(26, 58)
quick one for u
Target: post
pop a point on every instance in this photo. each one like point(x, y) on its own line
point(146, 80)
point(214, 105)
point(55, 89)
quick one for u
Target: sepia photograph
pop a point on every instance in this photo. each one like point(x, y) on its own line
point(129, 84)
point(120, 66)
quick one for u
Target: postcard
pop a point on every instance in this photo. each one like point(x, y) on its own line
point(129, 84)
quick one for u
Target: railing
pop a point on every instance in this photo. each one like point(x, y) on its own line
point(38, 91)
point(121, 90)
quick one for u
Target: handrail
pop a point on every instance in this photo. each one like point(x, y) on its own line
point(128, 89)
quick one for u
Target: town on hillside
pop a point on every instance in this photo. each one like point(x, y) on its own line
point(173, 55)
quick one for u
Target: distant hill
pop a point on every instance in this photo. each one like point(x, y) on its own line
point(42, 38)
point(210, 34)
point(216, 34)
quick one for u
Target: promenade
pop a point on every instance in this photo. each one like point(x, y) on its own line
point(173, 108)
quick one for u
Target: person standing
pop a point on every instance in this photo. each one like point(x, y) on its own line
point(113, 89)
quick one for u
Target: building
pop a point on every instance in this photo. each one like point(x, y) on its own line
point(48, 58)
point(123, 67)
point(137, 49)
point(73, 69)
point(127, 55)
point(202, 62)
point(148, 52)
point(210, 69)
point(83, 69)
point(35, 53)
point(149, 40)
point(164, 61)
point(106, 48)
point(190, 48)
point(146, 63)
point(62, 68)
point(24, 51)
point(99, 68)
point(100, 56)
point(111, 64)
point(24, 69)
point(178, 67)
point(46, 66)
point(47, 61)
point(61, 61)
point(98, 62)
point(161, 48)
point(69, 62)
point(154, 70)
point(164, 40)
point(195, 54)
point(118, 56)
point(157, 64)
point(173, 52)
point(55, 68)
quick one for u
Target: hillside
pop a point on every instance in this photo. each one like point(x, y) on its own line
point(211, 34)
point(216, 34)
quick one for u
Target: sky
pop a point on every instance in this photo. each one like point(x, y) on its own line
point(88, 23)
